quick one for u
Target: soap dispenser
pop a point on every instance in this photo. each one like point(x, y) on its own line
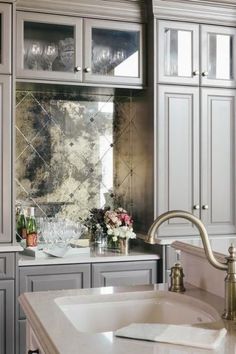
point(177, 277)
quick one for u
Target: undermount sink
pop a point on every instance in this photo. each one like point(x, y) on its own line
point(105, 313)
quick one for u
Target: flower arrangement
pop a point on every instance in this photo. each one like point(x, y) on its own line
point(116, 224)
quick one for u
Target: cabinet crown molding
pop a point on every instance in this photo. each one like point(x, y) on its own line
point(219, 12)
point(122, 10)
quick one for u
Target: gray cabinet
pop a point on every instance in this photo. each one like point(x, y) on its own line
point(124, 273)
point(43, 278)
point(5, 158)
point(5, 38)
point(196, 167)
point(192, 54)
point(73, 49)
point(7, 303)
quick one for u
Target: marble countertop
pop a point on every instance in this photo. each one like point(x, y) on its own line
point(93, 256)
point(49, 322)
point(8, 247)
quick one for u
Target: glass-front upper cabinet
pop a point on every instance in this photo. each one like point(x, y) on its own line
point(178, 52)
point(5, 38)
point(113, 52)
point(218, 56)
point(49, 47)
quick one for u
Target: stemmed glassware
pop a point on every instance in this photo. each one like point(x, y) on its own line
point(50, 53)
point(34, 55)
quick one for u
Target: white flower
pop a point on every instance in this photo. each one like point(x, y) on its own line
point(116, 232)
point(114, 238)
point(109, 232)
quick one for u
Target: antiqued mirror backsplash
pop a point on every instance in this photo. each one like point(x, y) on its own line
point(76, 151)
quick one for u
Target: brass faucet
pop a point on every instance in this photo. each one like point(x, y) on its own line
point(229, 265)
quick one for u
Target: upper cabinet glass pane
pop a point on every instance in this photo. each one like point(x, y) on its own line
point(220, 56)
point(178, 52)
point(49, 47)
point(115, 52)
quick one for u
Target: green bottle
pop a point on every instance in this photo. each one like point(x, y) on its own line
point(20, 225)
point(31, 229)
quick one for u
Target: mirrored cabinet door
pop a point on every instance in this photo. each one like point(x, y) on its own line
point(178, 52)
point(49, 47)
point(218, 56)
point(5, 39)
point(113, 52)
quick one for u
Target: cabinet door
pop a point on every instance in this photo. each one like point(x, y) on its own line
point(177, 156)
point(113, 52)
point(5, 38)
point(218, 160)
point(7, 317)
point(218, 46)
point(124, 273)
point(49, 47)
point(178, 53)
point(5, 158)
point(58, 277)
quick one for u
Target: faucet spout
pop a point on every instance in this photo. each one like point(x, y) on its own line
point(201, 228)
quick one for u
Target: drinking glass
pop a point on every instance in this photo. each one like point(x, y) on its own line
point(50, 53)
point(34, 55)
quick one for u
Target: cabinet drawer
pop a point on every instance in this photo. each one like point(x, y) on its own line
point(7, 265)
point(124, 273)
point(58, 277)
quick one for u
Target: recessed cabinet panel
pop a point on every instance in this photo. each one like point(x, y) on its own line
point(218, 56)
point(5, 158)
point(49, 47)
point(113, 52)
point(177, 156)
point(218, 160)
point(5, 38)
point(7, 317)
point(178, 60)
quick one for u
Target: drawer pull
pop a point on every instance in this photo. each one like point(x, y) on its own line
point(36, 351)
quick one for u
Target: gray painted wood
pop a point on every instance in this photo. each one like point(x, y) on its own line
point(7, 265)
point(5, 158)
point(192, 52)
point(177, 156)
point(21, 347)
point(206, 31)
point(43, 278)
point(6, 35)
point(21, 72)
point(218, 160)
point(124, 273)
point(7, 317)
point(129, 10)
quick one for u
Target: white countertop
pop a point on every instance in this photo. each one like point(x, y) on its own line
point(8, 247)
point(94, 256)
point(49, 322)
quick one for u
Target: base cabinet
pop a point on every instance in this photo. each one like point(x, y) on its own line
point(7, 333)
point(124, 274)
point(33, 345)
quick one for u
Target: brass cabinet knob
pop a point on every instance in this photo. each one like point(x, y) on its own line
point(205, 74)
point(87, 70)
point(196, 73)
point(196, 207)
point(77, 68)
point(205, 207)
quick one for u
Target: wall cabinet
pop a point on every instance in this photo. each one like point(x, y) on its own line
point(192, 54)
point(51, 47)
point(196, 157)
point(5, 158)
point(5, 38)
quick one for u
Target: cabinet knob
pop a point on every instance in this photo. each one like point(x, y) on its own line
point(77, 69)
point(36, 351)
point(205, 74)
point(205, 207)
point(196, 207)
point(87, 70)
point(196, 73)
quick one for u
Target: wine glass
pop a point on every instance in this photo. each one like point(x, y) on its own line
point(34, 55)
point(50, 53)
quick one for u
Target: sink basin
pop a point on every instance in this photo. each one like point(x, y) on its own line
point(105, 313)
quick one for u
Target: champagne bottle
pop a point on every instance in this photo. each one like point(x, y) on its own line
point(31, 229)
